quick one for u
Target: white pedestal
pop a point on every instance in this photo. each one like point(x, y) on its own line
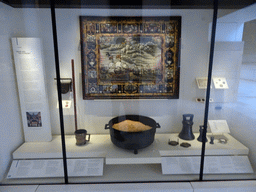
point(159, 152)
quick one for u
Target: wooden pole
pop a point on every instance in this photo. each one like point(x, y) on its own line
point(74, 92)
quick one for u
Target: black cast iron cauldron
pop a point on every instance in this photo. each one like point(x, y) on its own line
point(132, 140)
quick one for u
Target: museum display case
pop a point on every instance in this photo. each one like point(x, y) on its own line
point(26, 48)
point(232, 111)
point(119, 93)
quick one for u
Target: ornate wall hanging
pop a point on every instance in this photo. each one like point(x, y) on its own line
point(130, 57)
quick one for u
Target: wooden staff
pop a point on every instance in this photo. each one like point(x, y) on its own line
point(74, 91)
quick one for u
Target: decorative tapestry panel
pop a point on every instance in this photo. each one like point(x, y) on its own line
point(130, 57)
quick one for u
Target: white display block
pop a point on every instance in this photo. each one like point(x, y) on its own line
point(212, 165)
point(232, 147)
point(218, 126)
point(65, 104)
point(229, 157)
point(220, 83)
point(31, 86)
point(54, 168)
point(148, 155)
point(202, 82)
point(41, 150)
point(101, 146)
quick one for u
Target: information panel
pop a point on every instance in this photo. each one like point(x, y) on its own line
point(54, 168)
point(212, 165)
point(31, 86)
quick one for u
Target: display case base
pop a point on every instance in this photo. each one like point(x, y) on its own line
point(160, 152)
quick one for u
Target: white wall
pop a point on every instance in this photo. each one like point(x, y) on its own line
point(13, 24)
point(248, 71)
point(11, 135)
point(250, 38)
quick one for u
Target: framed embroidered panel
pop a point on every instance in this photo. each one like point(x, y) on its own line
point(130, 57)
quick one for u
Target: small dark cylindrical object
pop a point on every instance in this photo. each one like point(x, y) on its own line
point(200, 138)
point(186, 132)
point(81, 136)
point(212, 140)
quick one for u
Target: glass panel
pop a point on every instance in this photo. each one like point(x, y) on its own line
point(114, 76)
point(29, 153)
point(146, 64)
point(230, 150)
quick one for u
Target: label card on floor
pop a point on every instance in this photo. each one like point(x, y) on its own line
point(54, 168)
point(85, 167)
point(36, 168)
point(213, 165)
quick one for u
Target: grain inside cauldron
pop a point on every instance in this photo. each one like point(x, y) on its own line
point(132, 140)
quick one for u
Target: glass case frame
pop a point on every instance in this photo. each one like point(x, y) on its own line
point(63, 139)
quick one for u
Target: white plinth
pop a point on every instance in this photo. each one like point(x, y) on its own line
point(101, 146)
point(232, 147)
point(159, 152)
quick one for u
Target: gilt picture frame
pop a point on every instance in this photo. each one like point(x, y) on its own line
point(130, 57)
